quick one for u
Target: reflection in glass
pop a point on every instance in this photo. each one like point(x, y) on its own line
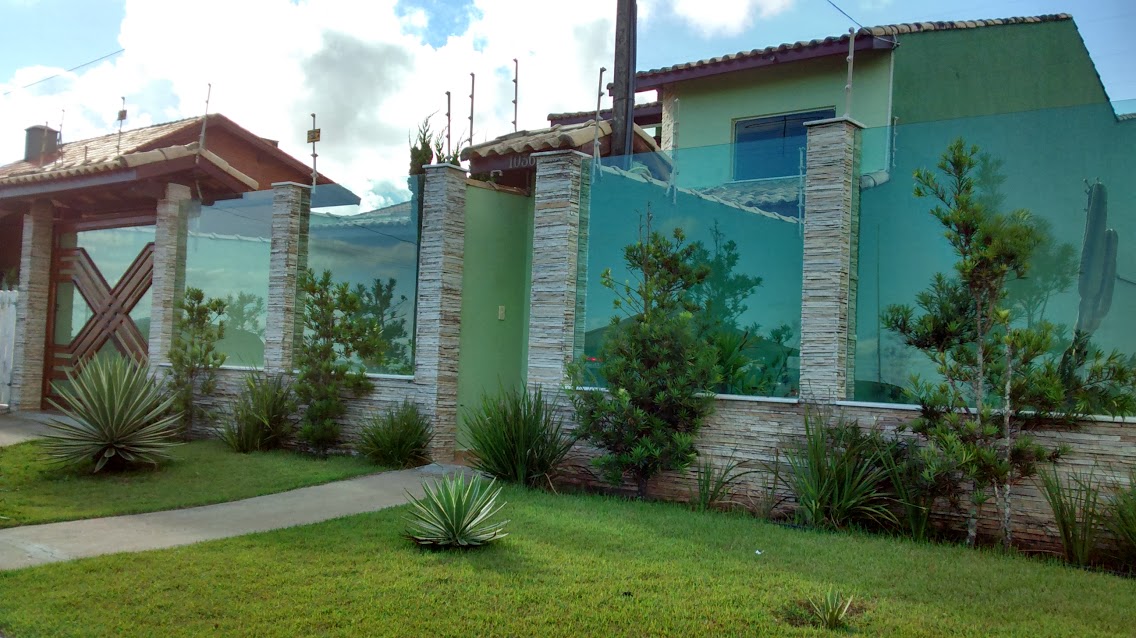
point(227, 257)
point(752, 298)
point(1075, 181)
point(374, 248)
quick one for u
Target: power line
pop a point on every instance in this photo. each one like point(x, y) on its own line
point(52, 77)
point(834, 6)
point(857, 23)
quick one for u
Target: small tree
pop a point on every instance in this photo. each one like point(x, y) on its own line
point(998, 380)
point(334, 334)
point(660, 374)
point(194, 359)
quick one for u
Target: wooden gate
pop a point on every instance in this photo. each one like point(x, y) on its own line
point(80, 294)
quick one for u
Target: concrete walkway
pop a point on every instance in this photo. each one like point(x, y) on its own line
point(39, 544)
point(17, 427)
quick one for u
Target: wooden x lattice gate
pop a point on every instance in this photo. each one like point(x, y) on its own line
point(77, 280)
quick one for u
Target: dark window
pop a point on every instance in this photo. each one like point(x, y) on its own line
point(771, 146)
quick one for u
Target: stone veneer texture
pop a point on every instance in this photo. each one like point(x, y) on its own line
point(827, 252)
point(31, 308)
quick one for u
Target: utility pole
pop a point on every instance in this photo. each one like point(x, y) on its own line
point(623, 90)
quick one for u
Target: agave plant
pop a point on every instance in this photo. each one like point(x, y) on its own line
point(831, 610)
point(121, 417)
point(454, 513)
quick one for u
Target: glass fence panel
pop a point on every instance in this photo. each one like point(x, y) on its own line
point(1070, 168)
point(227, 256)
point(374, 248)
point(747, 231)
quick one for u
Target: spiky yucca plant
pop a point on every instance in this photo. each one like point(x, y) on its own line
point(454, 513)
point(831, 610)
point(122, 417)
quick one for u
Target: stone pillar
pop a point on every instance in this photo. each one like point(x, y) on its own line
point(561, 188)
point(438, 325)
point(668, 97)
point(168, 286)
point(32, 313)
point(291, 206)
point(829, 191)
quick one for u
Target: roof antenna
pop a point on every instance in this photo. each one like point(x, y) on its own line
point(121, 119)
point(449, 125)
point(313, 137)
point(516, 90)
point(59, 133)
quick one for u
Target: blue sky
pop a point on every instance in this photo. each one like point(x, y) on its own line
point(81, 30)
point(374, 69)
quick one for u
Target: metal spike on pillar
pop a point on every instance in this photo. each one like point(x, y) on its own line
point(472, 85)
point(516, 90)
point(449, 126)
point(313, 137)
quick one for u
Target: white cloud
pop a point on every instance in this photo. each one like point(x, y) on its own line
point(727, 17)
point(272, 62)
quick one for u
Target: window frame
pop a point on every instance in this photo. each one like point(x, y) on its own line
point(822, 113)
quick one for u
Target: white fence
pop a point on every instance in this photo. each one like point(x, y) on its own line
point(7, 342)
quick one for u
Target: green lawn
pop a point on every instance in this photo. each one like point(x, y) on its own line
point(572, 566)
point(33, 490)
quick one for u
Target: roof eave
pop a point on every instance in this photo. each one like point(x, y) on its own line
point(205, 163)
point(652, 81)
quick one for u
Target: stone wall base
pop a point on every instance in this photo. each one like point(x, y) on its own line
point(759, 432)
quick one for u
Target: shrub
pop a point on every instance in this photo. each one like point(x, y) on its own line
point(122, 417)
point(194, 359)
point(1121, 518)
point(837, 476)
point(713, 483)
point(517, 437)
point(831, 610)
point(1078, 512)
point(660, 373)
point(336, 336)
point(454, 513)
point(262, 414)
point(399, 438)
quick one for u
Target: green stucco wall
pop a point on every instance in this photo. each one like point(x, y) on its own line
point(709, 107)
point(996, 69)
point(496, 272)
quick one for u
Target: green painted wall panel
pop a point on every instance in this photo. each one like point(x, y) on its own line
point(709, 107)
point(498, 249)
point(1001, 69)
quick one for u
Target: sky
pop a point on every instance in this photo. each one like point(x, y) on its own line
point(372, 70)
